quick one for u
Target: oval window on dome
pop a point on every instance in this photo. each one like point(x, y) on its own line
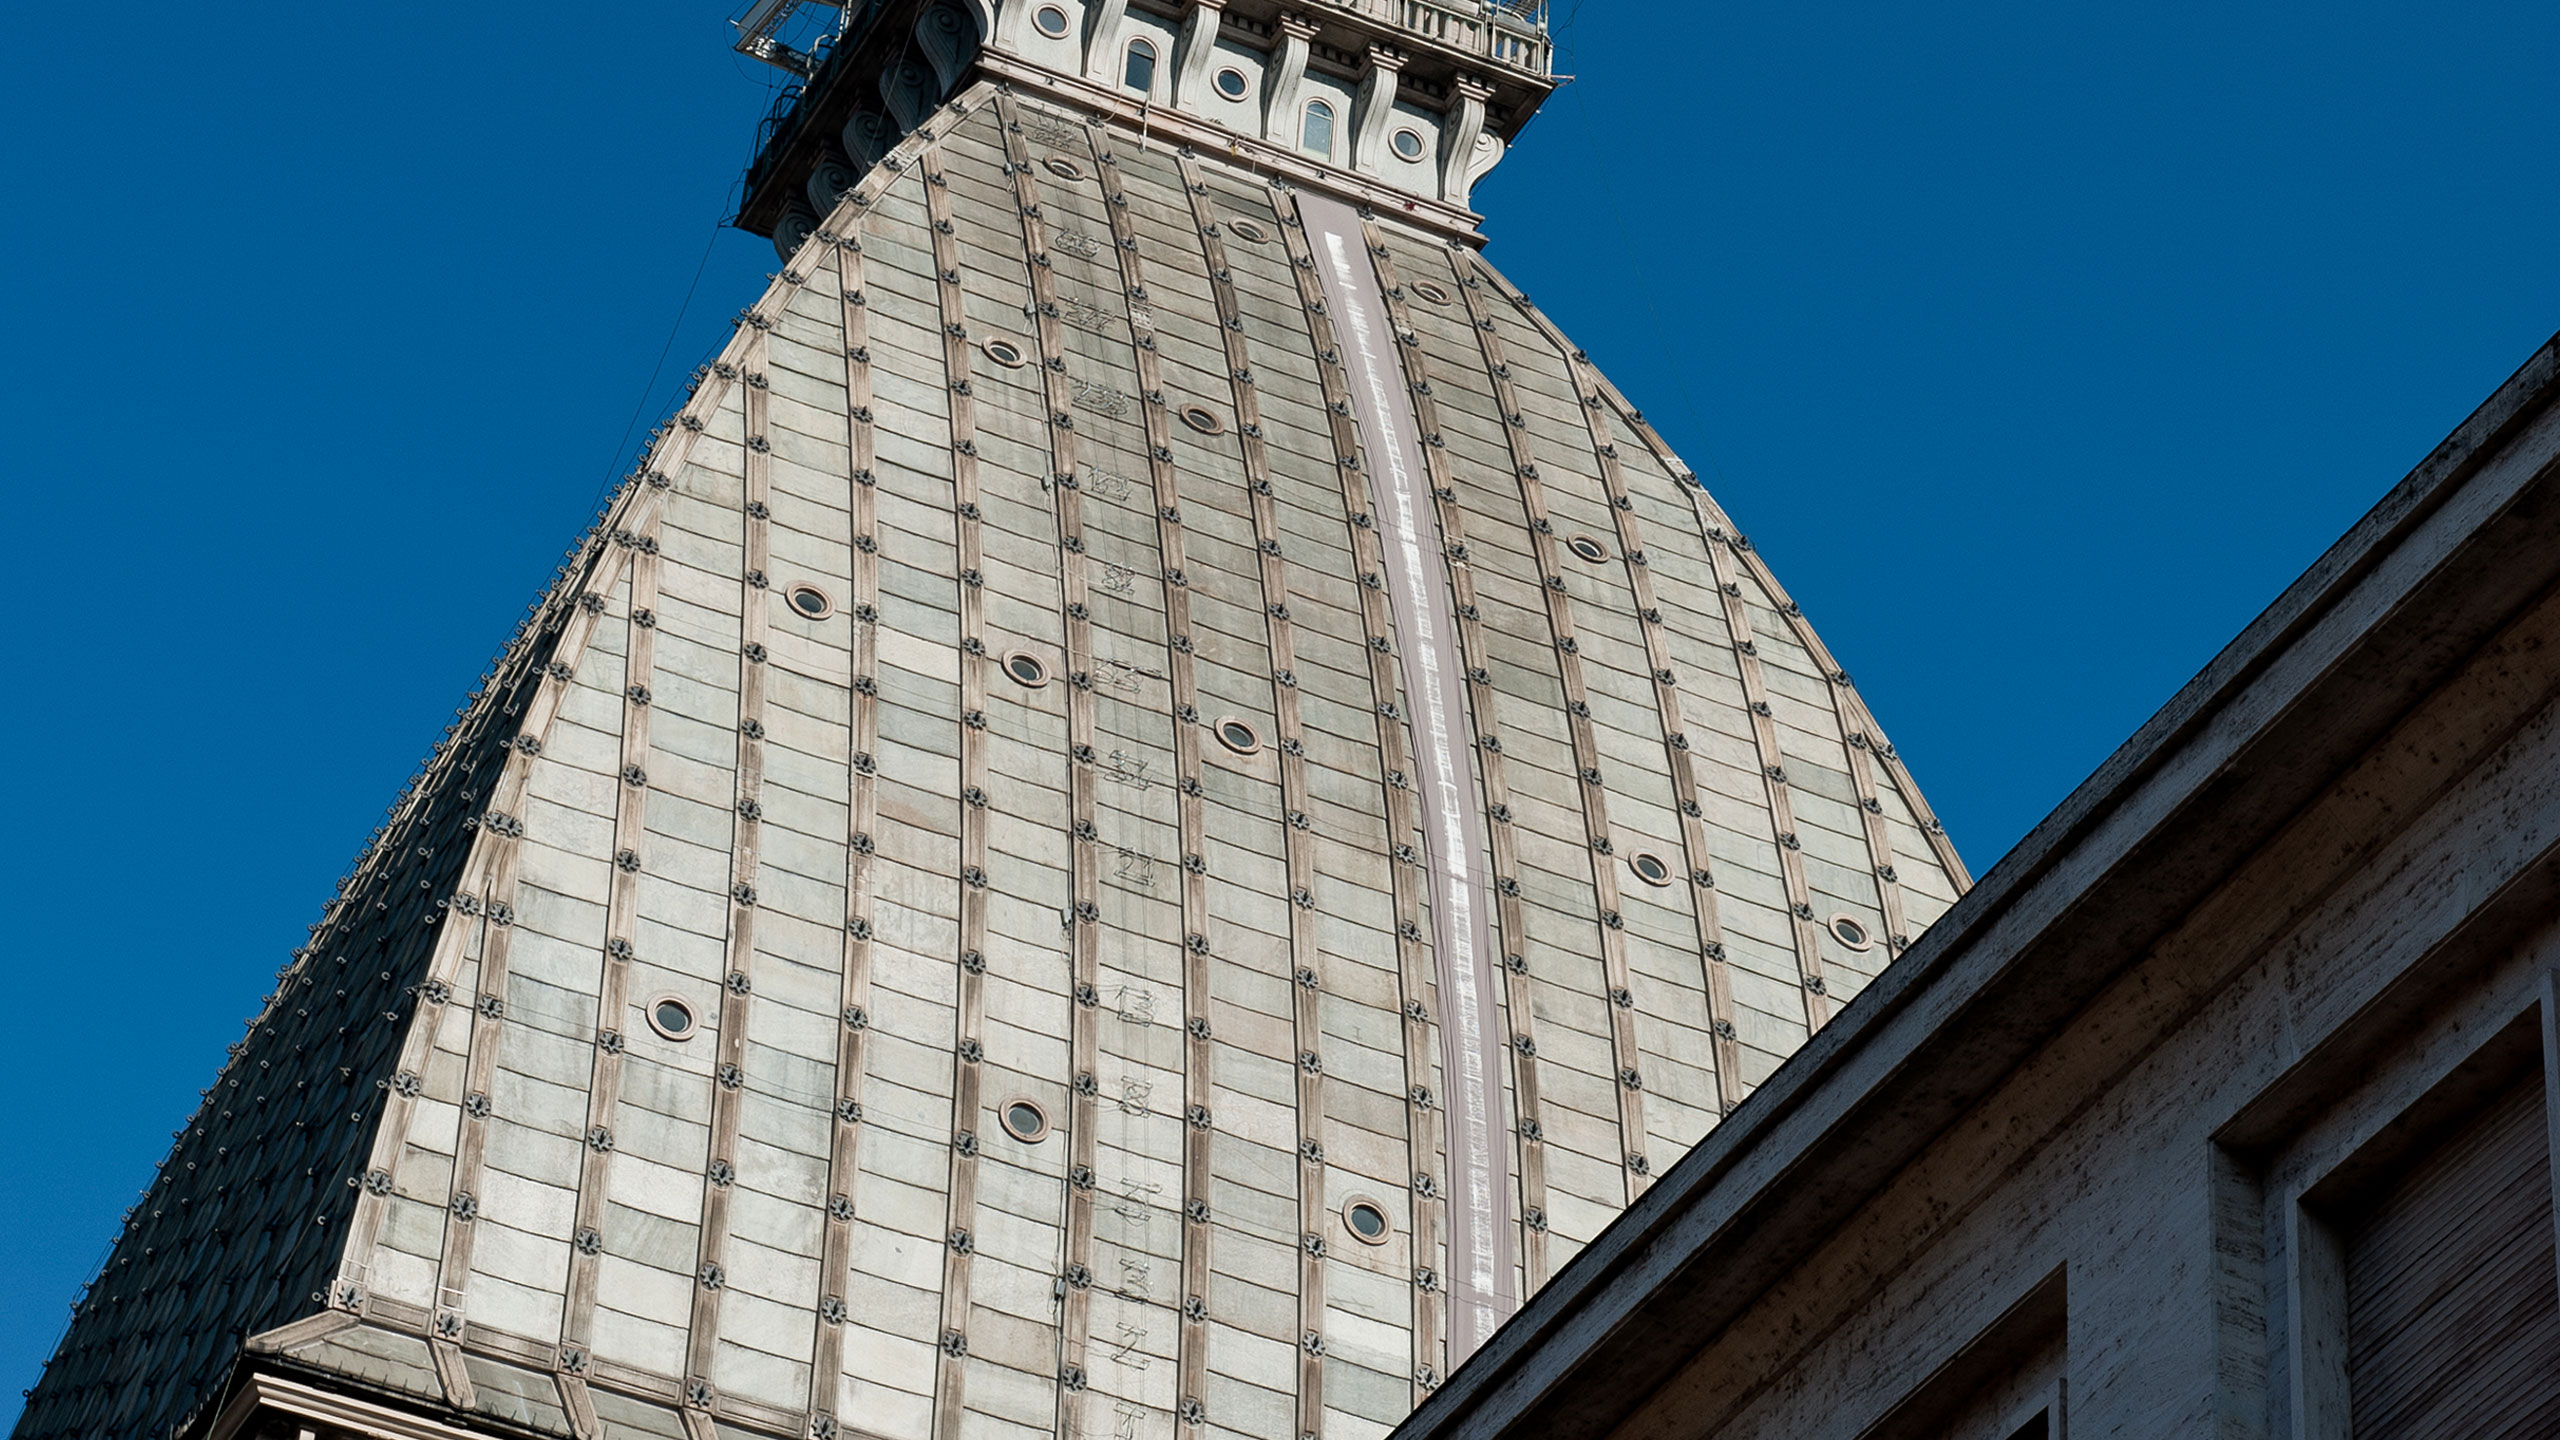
point(1024, 1120)
point(1849, 931)
point(1004, 352)
point(1367, 1221)
point(1247, 230)
point(1408, 144)
point(1588, 548)
point(1065, 169)
point(1203, 419)
point(1650, 868)
point(1232, 84)
point(1052, 21)
point(1026, 669)
point(1238, 735)
point(1430, 292)
point(810, 602)
point(672, 1018)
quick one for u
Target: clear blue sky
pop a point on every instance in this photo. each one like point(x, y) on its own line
point(2038, 345)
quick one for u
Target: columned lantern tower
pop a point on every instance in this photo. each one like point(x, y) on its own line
point(1155, 803)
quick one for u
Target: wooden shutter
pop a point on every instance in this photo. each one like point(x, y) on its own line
point(2453, 1297)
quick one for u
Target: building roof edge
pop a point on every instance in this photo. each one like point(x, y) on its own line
point(2321, 670)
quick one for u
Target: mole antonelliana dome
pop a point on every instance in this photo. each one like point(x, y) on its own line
point(1154, 804)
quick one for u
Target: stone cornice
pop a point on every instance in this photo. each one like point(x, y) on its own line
point(1179, 129)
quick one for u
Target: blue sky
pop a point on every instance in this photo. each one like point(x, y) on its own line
point(2038, 347)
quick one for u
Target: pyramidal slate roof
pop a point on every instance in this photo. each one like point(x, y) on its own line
point(1155, 805)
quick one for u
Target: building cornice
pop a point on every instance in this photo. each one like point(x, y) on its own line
point(261, 1392)
point(1178, 129)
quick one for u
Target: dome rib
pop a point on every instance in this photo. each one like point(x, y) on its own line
point(1696, 875)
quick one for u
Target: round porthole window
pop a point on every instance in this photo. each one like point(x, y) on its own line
point(810, 602)
point(1004, 352)
point(1052, 21)
point(1430, 292)
point(1849, 932)
point(1408, 144)
point(1024, 1120)
point(1066, 169)
point(1238, 735)
point(671, 1017)
point(1366, 1219)
point(1202, 419)
point(1588, 548)
point(1232, 84)
point(1026, 669)
point(1650, 868)
point(1247, 230)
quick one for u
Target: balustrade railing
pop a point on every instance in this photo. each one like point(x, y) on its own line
point(1510, 33)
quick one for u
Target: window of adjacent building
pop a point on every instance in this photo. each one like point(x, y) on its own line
point(2422, 1268)
point(1315, 133)
point(1139, 73)
point(2452, 1292)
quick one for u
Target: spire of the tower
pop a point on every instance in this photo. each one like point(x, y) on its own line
point(1404, 103)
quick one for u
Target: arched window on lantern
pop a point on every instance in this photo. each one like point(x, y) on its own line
point(1315, 134)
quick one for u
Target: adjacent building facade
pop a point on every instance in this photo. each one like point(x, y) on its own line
point(2225, 1106)
point(1155, 804)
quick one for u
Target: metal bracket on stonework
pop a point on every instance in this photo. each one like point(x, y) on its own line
point(575, 1401)
point(450, 1371)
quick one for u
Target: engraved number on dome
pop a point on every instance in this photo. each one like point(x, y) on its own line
point(1849, 932)
point(671, 1017)
point(1026, 669)
point(1650, 868)
point(1366, 1219)
point(1588, 548)
point(1238, 735)
point(1004, 352)
point(1232, 84)
point(1408, 144)
point(1430, 292)
point(1052, 21)
point(1247, 230)
point(1203, 419)
point(811, 602)
point(1024, 1120)
point(1064, 168)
